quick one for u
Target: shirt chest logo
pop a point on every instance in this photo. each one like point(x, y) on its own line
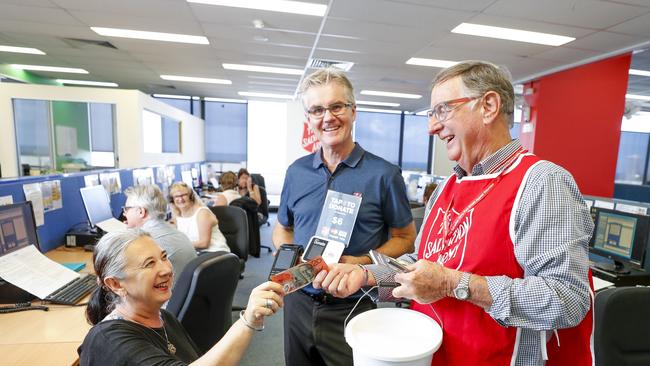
point(451, 249)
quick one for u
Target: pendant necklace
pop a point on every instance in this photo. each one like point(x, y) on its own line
point(170, 346)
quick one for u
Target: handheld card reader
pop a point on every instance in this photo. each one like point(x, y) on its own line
point(330, 250)
point(285, 258)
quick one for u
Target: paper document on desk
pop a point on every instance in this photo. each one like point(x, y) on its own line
point(33, 272)
point(111, 225)
point(600, 284)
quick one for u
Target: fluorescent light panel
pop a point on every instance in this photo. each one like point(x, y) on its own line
point(511, 34)
point(71, 70)
point(193, 79)
point(637, 97)
point(430, 62)
point(378, 110)
point(152, 36)
point(283, 6)
point(265, 95)
point(225, 100)
point(33, 51)
point(390, 94)
point(171, 96)
point(86, 82)
point(254, 68)
point(639, 72)
point(382, 104)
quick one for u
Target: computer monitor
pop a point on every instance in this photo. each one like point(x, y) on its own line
point(17, 230)
point(97, 204)
point(17, 227)
point(622, 237)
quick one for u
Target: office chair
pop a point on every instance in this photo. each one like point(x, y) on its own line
point(258, 179)
point(622, 326)
point(263, 216)
point(250, 206)
point(233, 224)
point(203, 295)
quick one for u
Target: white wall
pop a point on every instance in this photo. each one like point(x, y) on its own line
point(128, 117)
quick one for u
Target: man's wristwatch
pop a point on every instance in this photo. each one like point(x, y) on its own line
point(461, 292)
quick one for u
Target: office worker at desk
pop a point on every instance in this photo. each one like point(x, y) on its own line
point(228, 183)
point(246, 186)
point(503, 254)
point(146, 208)
point(195, 220)
point(130, 328)
point(313, 322)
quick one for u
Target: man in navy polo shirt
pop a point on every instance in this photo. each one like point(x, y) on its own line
point(313, 321)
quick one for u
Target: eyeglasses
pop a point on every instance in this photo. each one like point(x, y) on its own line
point(335, 109)
point(126, 208)
point(184, 195)
point(441, 110)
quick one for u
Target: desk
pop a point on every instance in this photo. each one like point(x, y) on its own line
point(46, 337)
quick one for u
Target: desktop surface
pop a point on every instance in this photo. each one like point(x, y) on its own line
point(46, 337)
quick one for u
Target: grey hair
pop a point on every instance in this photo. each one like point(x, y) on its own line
point(322, 77)
point(149, 197)
point(480, 77)
point(109, 260)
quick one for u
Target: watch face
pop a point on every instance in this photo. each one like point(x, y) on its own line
point(461, 293)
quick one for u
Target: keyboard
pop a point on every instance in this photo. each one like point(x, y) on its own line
point(74, 291)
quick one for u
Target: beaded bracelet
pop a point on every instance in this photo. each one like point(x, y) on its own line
point(365, 272)
point(246, 323)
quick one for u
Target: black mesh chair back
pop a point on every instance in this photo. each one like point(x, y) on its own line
point(202, 297)
point(622, 326)
point(263, 208)
point(258, 179)
point(250, 206)
point(233, 223)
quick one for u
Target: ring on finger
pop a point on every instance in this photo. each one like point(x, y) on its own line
point(269, 304)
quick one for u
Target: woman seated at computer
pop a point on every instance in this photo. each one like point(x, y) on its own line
point(130, 328)
point(229, 193)
point(246, 186)
point(195, 220)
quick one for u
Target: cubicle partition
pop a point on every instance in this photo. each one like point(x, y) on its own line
point(58, 221)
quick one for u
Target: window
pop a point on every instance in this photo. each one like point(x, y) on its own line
point(101, 135)
point(171, 135)
point(379, 134)
point(182, 104)
point(32, 119)
point(415, 146)
point(632, 152)
point(226, 132)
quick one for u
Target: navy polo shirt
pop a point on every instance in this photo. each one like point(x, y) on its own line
point(384, 203)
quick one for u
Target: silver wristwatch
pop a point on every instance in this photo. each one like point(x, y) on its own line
point(461, 292)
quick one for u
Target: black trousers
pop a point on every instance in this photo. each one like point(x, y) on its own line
point(314, 330)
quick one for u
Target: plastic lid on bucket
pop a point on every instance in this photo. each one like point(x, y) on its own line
point(393, 334)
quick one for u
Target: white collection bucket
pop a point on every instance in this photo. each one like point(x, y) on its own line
point(393, 337)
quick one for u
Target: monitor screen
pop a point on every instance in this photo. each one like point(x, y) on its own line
point(97, 203)
point(17, 227)
point(621, 236)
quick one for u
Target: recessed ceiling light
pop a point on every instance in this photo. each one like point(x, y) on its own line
point(378, 110)
point(283, 6)
point(265, 95)
point(430, 62)
point(637, 97)
point(172, 96)
point(33, 51)
point(390, 94)
point(511, 34)
point(86, 82)
point(639, 72)
point(383, 104)
point(71, 70)
point(254, 68)
point(193, 79)
point(225, 100)
point(152, 36)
